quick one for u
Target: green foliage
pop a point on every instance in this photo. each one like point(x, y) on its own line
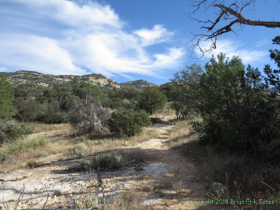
point(84, 164)
point(7, 110)
point(50, 113)
point(68, 100)
point(21, 145)
point(65, 94)
point(89, 90)
point(27, 109)
point(12, 130)
point(78, 149)
point(152, 100)
point(183, 91)
point(116, 98)
point(233, 115)
point(128, 121)
point(28, 90)
point(111, 161)
point(273, 75)
point(90, 201)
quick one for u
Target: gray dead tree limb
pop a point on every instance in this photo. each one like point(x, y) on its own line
point(227, 17)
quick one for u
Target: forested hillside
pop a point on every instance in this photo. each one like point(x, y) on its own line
point(48, 80)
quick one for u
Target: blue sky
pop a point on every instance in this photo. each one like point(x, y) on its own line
point(124, 40)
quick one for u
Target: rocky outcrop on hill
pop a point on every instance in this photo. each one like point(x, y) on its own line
point(164, 87)
point(48, 80)
point(140, 84)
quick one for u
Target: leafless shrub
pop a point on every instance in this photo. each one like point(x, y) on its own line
point(90, 118)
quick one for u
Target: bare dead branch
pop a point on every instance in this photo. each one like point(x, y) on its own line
point(243, 20)
point(20, 196)
point(4, 204)
point(232, 12)
point(47, 197)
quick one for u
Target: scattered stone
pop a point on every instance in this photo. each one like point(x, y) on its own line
point(57, 193)
point(138, 168)
point(15, 177)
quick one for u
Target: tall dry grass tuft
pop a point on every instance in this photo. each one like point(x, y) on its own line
point(181, 134)
point(44, 127)
point(128, 200)
point(243, 176)
point(99, 143)
point(17, 154)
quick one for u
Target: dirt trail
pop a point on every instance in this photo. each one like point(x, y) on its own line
point(64, 186)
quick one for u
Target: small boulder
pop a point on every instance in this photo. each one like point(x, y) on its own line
point(138, 168)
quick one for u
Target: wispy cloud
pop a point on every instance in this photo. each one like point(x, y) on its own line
point(262, 43)
point(156, 35)
point(231, 48)
point(3, 69)
point(81, 37)
point(36, 53)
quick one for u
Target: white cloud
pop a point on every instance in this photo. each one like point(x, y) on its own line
point(262, 43)
point(94, 38)
point(3, 69)
point(156, 35)
point(231, 48)
point(90, 14)
point(38, 54)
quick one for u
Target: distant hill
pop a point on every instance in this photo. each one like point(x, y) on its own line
point(48, 80)
point(140, 84)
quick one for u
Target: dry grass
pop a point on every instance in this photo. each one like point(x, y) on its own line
point(128, 200)
point(44, 127)
point(243, 176)
point(19, 153)
point(70, 147)
point(85, 146)
point(181, 134)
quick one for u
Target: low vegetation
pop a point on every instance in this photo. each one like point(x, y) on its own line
point(128, 121)
point(227, 125)
point(12, 130)
point(12, 149)
point(152, 100)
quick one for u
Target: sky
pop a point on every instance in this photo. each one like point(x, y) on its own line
point(124, 40)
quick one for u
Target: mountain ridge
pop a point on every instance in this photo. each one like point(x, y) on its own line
point(49, 80)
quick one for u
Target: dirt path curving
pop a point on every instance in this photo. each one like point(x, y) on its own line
point(65, 185)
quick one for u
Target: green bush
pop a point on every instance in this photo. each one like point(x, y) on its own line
point(22, 145)
point(56, 117)
point(152, 100)
point(59, 117)
point(128, 121)
point(7, 110)
point(84, 164)
point(90, 201)
point(106, 161)
point(234, 114)
point(12, 130)
point(27, 109)
point(78, 149)
point(183, 92)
